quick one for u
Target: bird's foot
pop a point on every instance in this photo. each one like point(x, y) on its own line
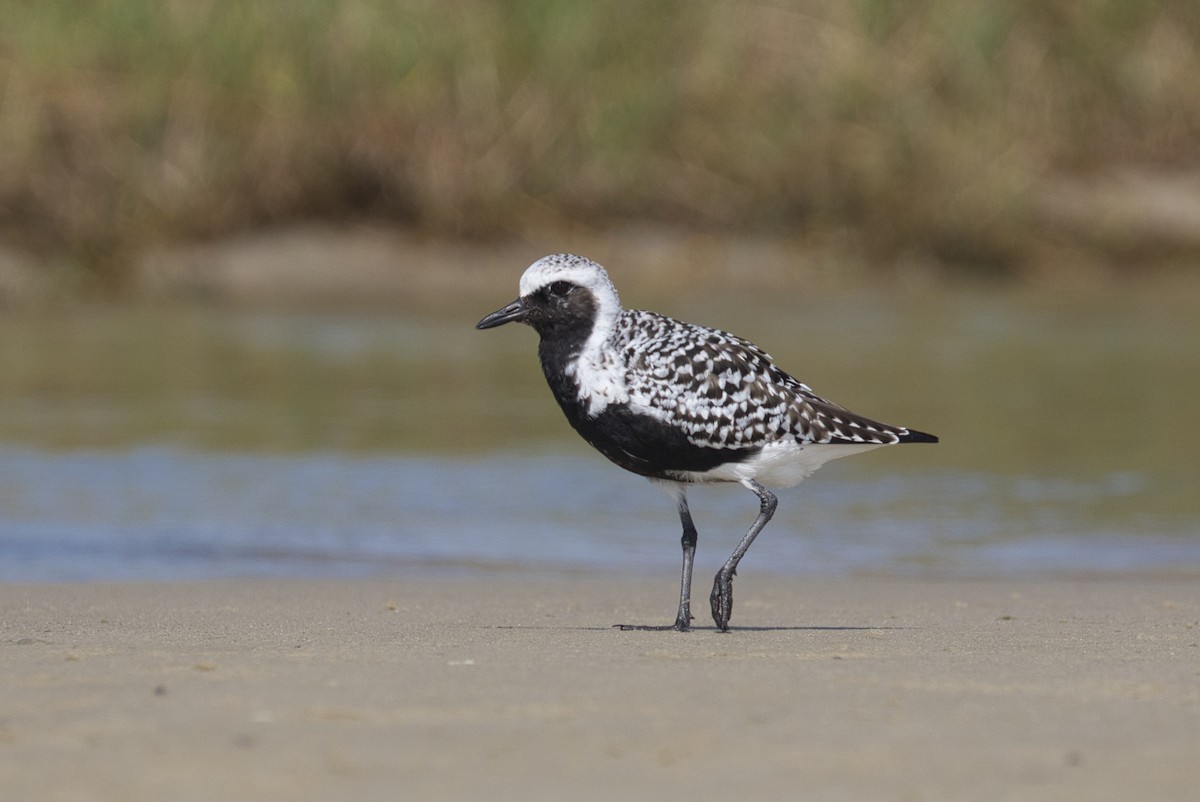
point(683, 623)
point(722, 599)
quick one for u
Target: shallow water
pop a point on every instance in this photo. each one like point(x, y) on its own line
point(166, 513)
point(194, 443)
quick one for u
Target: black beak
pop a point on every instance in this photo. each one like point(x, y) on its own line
point(514, 311)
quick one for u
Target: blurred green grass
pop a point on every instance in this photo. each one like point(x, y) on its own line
point(919, 128)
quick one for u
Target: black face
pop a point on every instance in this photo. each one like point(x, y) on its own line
point(560, 305)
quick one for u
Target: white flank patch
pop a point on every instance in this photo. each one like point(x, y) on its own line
point(601, 382)
point(784, 463)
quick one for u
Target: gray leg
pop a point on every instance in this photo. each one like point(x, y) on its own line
point(683, 621)
point(722, 592)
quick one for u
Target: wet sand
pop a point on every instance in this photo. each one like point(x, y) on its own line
point(519, 688)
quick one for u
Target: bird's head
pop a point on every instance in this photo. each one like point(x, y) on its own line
point(560, 291)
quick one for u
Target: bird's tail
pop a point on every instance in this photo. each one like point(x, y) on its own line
point(913, 436)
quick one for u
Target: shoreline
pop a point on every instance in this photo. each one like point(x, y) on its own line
point(520, 688)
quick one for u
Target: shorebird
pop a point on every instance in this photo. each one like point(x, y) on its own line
point(681, 404)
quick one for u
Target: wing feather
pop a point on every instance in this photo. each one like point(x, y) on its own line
point(726, 392)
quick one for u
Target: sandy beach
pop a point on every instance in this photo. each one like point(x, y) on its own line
point(520, 688)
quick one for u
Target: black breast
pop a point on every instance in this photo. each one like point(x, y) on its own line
point(646, 445)
point(639, 443)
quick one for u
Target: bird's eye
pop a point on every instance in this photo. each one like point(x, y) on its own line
point(561, 288)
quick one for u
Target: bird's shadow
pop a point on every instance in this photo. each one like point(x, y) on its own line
point(730, 631)
point(810, 628)
point(800, 628)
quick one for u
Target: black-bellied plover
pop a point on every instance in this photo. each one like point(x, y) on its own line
point(681, 404)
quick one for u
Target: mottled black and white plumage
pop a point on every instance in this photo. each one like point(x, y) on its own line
point(679, 403)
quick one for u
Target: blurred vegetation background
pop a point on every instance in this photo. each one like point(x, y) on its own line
point(986, 137)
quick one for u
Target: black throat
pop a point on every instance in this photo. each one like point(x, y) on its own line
point(562, 340)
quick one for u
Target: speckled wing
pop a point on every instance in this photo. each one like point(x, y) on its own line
point(725, 392)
